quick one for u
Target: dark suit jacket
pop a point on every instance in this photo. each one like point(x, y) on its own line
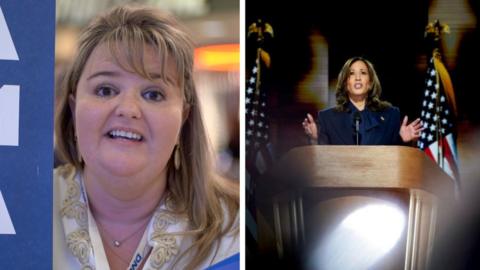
point(376, 128)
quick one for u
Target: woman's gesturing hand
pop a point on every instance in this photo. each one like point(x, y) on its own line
point(412, 131)
point(310, 128)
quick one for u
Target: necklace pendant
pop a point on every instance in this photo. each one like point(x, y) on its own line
point(116, 243)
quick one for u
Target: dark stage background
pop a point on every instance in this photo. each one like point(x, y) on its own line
point(313, 39)
point(389, 34)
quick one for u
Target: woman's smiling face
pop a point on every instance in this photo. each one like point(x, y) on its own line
point(127, 125)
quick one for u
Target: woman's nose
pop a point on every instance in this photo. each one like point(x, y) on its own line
point(128, 106)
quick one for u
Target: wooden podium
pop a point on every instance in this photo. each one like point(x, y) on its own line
point(352, 207)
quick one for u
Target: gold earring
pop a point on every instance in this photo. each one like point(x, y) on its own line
point(79, 155)
point(176, 157)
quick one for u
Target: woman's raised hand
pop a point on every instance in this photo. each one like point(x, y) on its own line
point(310, 128)
point(412, 131)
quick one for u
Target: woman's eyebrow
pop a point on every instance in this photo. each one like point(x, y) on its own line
point(103, 73)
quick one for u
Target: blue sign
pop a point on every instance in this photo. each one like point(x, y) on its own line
point(27, 35)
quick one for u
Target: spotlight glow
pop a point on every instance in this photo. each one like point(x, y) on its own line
point(361, 239)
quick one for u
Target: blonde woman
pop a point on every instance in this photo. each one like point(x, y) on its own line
point(138, 190)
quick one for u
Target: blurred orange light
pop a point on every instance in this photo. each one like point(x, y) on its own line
point(225, 57)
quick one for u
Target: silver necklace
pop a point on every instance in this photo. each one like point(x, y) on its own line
point(118, 242)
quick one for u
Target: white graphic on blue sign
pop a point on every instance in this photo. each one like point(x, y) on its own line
point(9, 114)
point(6, 225)
point(9, 94)
point(7, 49)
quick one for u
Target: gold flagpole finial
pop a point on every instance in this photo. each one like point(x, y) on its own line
point(436, 29)
point(260, 29)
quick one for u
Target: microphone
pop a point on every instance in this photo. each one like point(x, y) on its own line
point(357, 119)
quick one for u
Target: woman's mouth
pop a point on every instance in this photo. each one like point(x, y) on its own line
point(127, 135)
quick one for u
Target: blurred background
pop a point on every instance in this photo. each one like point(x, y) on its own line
point(214, 26)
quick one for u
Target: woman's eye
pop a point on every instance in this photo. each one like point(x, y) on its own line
point(105, 91)
point(153, 95)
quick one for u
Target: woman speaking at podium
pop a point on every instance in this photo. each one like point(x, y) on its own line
point(360, 117)
point(139, 190)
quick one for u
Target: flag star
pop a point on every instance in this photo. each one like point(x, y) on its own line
point(247, 100)
point(249, 132)
point(433, 127)
point(427, 115)
point(259, 134)
point(265, 136)
point(435, 117)
point(444, 121)
point(430, 138)
point(425, 125)
point(430, 105)
point(254, 112)
point(252, 80)
point(421, 145)
point(432, 73)
point(423, 113)
point(424, 103)
point(426, 91)
point(423, 135)
point(260, 124)
point(254, 70)
point(443, 130)
point(429, 83)
point(442, 98)
point(263, 104)
point(433, 95)
point(249, 90)
point(247, 142)
point(446, 112)
point(251, 122)
point(262, 114)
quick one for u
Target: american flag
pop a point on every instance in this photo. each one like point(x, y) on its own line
point(258, 156)
point(438, 139)
point(256, 124)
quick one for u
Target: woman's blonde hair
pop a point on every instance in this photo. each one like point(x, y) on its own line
point(373, 101)
point(194, 189)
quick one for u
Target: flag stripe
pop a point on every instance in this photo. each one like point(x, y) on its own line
point(438, 118)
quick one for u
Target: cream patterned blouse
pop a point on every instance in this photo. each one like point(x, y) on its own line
point(77, 243)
